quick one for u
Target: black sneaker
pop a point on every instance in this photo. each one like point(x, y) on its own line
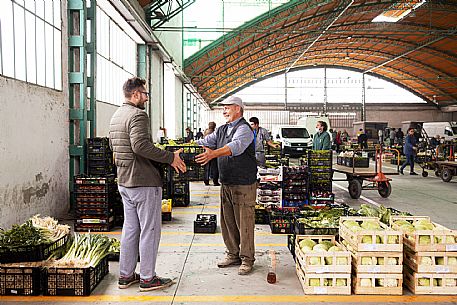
point(216, 183)
point(401, 172)
point(413, 174)
point(127, 282)
point(206, 182)
point(155, 283)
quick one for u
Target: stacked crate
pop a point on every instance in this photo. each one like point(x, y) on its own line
point(377, 257)
point(320, 170)
point(430, 257)
point(99, 157)
point(269, 189)
point(94, 203)
point(295, 186)
point(194, 171)
point(323, 272)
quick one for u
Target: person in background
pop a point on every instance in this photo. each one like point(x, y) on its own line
point(338, 141)
point(199, 134)
point(190, 135)
point(400, 135)
point(435, 142)
point(362, 140)
point(321, 140)
point(345, 136)
point(235, 150)
point(380, 137)
point(392, 136)
point(140, 185)
point(410, 151)
point(261, 136)
point(211, 170)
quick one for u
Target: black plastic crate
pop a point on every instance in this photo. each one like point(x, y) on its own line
point(81, 211)
point(95, 219)
point(357, 162)
point(74, 281)
point(30, 253)
point(261, 217)
point(166, 216)
point(98, 149)
point(205, 223)
point(93, 227)
point(84, 180)
point(92, 199)
point(181, 201)
point(20, 280)
point(92, 188)
point(100, 163)
point(102, 155)
point(281, 221)
point(100, 141)
point(101, 170)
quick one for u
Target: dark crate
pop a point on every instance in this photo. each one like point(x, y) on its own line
point(20, 280)
point(30, 253)
point(95, 219)
point(281, 221)
point(99, 141)
point(291, 203)
point(74, 281)
point(93, 227)
point(318, 162)
point(166, 216)
point(81, 211)
point(91, 163)
point(99, 200)
point(205, 223)
point(357, 162)
point(92, 149)
point(261, 217)
point(101, 170)
point(83, 180)
point(301, 229)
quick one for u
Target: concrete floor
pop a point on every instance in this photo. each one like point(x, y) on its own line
point(191, 259)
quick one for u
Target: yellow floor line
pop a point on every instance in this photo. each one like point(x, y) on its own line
point(380, 299)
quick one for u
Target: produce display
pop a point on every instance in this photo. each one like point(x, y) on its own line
point(381, 212)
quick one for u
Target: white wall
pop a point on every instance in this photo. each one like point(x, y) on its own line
point(156, 99)
point(172, 40)
point(104, 113)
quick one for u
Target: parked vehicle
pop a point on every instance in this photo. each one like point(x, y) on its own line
point(448, 130)
point(295, 139)
point(309, 122)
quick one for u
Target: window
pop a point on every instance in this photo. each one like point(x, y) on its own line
point(30, 41)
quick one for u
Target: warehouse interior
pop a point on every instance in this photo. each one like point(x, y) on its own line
point(63, 65)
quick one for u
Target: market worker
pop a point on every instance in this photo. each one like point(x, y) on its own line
point(321, 139)
point(409, 150)
point(140, 185)
point(235, 153)
point(261, 135)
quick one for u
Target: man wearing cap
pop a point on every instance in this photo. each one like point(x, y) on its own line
point(235, 150)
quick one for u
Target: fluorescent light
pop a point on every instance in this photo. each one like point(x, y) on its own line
point(398, 11)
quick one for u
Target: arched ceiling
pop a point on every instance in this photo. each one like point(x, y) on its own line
point(419, 52)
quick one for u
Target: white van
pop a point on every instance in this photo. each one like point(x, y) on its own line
point(295, 139)
point(310, 123)
point(448, 130)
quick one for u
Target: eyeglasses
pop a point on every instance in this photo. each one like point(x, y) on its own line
point(144, 92)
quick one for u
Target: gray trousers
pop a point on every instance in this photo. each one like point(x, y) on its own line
point(141, 230)
point(260, 157)
point(238, 220)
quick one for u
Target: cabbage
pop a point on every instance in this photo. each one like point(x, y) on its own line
point(320, 248)
point(366, 239)
point(437, 282)
point(421, 228)
point(392, 261)
point(407, 228)
point(426, 260)
point(449, 282)
point(334, 249)
point(371, 225)
point(351, 223)
point(367, 260)
point(314, 282)
point(452, 260)
point(342, 261)
point(365, 282)
point(328, 282)
point(306, 249)
point(307, 242)
point(401, 222)
point(387, 282)
point(314, 261)
point(449, 239)
point(424, 240)
point(355, 229)
point(392, 239)
point(380, 261)
point(341, 282)
point(440, 260)
point(378, 239)
point(424, 223)
point(327, 244)
point(424, 281)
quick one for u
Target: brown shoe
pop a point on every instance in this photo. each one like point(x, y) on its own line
point(245, 269)
point(229, 261)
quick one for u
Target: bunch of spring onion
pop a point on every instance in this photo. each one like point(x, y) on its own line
point(87, 250)
point(49, 227)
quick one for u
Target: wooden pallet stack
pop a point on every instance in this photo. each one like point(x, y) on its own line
point(325, 272)
point(430, 257)
point(377, 256)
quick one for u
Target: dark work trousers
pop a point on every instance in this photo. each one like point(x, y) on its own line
point(410, 161)
point(237, 220)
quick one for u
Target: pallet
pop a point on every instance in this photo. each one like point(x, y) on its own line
point(322, 289)
point(413, 261)
point(304, 259)
point(355, 238)
point(412, 282)
point(375, 288)
point(376, 267)
point(411, 240)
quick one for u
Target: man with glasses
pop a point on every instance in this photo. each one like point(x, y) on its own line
point(140, 185)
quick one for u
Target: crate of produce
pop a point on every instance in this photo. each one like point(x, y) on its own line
point(326, 283)
point(102, 170)
point(261, 215)
point(93, 227)
point(420, 234)
point(357, 162)
point(30, 253)
point(18, 279)
point(205, 223)
point(83, 180)
point(430, 283)
point(92, 201)
point(378, 283)
point(96, 210)
point(181, 200)
point(325, 255)
point(431, 262)
point(378, 262)
point(281, 222)
point(103, 155)
point(99, 141)
point(371, 235)
point(74, 281)
point(95, 219)
point(166, 216)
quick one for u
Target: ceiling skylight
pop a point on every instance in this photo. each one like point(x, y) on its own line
point(399, 10)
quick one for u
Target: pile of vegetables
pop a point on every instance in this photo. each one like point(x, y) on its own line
point(420, 225)
point(35, 231)
point(379, 283)
point(86, 250)
point(382, 212)
point(437, 282)
point(325, 218)
point(370, 225)
point(309, 246)
point(368, 260)
point(427, 260)
point(328, 282)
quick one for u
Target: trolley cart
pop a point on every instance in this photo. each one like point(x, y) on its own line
point(371, 178)
point(446, 170)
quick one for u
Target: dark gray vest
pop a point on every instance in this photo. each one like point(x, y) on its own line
point(236, 170)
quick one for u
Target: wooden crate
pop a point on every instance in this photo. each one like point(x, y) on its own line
point(354, 239)
point(413, 261)
point(412, 282)
point(304, 259)
point(375, 288)
point(411, 240)
point(375, 257)
point(323, 289)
